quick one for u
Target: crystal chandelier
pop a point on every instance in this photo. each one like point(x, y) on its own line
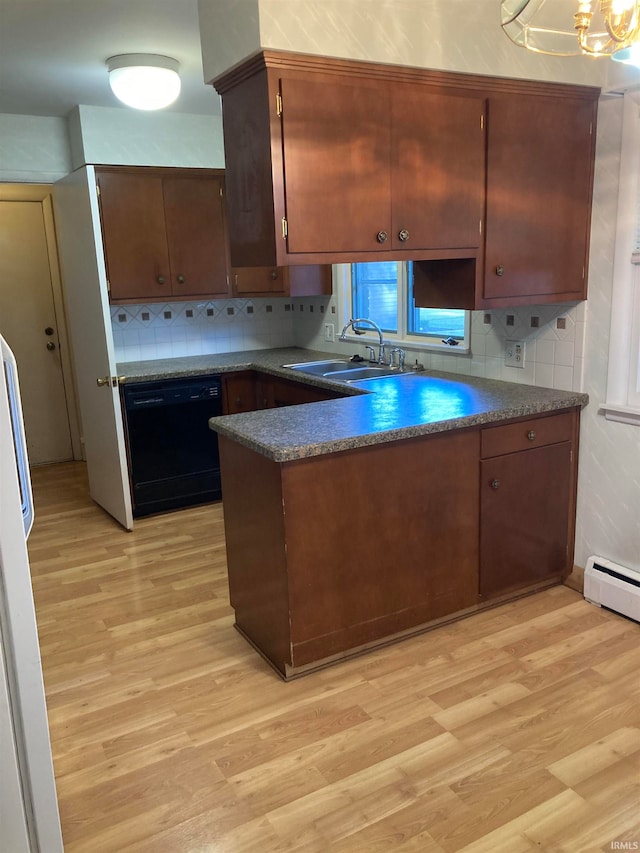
point(595, 28)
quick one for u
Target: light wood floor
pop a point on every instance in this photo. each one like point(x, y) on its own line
point(514, 730)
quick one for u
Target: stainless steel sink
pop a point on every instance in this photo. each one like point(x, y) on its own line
point(356, 373)
point(343, 370)
point(322, 368)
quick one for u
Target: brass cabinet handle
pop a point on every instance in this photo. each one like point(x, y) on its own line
point(381, 236)
point(500, 269)
point(531, 435)
point(403, 235)
point(495, 484)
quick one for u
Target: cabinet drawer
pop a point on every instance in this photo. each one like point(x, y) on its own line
point(524, 435)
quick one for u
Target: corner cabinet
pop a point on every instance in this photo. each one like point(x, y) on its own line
point(164, 233)
point(485, 182)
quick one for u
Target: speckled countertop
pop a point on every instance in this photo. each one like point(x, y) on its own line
point(373, 412)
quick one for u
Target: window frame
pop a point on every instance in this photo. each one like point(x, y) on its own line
point(402, 337)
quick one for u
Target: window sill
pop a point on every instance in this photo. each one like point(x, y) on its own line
point(443, 349)
point(621, 414)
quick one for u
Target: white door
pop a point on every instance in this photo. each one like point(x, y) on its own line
point(85, 284)
point(29, 323)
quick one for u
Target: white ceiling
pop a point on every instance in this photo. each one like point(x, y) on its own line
point(53, 52)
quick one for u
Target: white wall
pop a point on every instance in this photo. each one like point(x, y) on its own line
point(124, 137)
point(454, 35)
point(33, 149)
point(608, 521)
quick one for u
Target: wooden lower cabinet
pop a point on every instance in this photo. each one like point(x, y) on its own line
point(239, 392)
point(527, 503)
point(248, 391)
point(335, 552)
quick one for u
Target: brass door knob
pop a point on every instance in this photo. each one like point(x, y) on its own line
point(104, 380)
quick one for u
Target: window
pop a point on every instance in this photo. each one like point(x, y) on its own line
point(383, 292)
point(623, 381)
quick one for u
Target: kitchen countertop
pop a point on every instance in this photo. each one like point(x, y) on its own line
point(373, 412)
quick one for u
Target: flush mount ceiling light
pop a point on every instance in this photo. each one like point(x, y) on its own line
point(144, 81)
point(591, 27)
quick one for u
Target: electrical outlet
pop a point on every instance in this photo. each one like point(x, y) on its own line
point(514, 353)
point(329, 332)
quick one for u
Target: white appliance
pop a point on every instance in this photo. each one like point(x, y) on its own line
point(29, 818)
point(613, 586)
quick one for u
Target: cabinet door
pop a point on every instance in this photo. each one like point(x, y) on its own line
point(239, 393)
point(539, 178)
point(438, 163)
point(336, 148)
point(258, 281)
point(524, 517)
point(196, 235)
point(134, 236)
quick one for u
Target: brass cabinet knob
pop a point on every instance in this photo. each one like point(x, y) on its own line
point(381, 236)
point(274, 274)
point(531, 435)
point(403, 235)
point(160, 279)
point(495, 484)
point(180, 279)
point(500, 269)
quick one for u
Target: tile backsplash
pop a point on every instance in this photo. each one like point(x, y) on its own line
point(165, 330)
point(553, 335)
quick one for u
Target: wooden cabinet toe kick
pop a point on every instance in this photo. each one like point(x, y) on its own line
point(313, 655)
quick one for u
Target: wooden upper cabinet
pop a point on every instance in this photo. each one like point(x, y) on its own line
point(438, 166)
point(325, 166)
point(485, 182)
point(540, 156)
point(164, 233)
point(309, 280)
point(196, 235)
point(336, 142)
point(134, 235)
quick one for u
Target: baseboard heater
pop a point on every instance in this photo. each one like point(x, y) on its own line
point(612, 586)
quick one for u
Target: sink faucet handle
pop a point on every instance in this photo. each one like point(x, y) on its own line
point(401, 357)
point(372, 352)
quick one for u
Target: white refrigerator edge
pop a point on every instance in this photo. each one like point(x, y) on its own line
point(29, 817)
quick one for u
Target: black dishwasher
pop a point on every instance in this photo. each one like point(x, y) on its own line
point(173, 455)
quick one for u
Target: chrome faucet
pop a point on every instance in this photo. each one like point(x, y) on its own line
point(359, 321)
